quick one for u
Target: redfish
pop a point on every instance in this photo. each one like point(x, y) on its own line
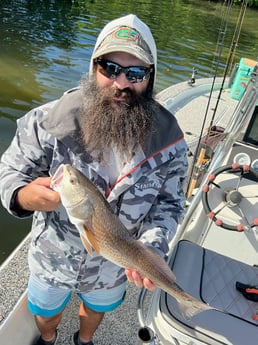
point(100, 229)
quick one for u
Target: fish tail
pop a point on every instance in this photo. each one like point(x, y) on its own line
point(189, 310)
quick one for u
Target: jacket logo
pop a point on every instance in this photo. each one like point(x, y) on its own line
point(148, 185)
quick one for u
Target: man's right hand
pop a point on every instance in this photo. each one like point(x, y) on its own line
point(37, 196)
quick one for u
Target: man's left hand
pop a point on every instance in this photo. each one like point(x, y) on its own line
point(134, 277)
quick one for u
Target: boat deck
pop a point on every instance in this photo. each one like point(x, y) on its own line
point(190, 115)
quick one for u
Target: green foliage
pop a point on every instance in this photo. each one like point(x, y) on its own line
point(251, 3)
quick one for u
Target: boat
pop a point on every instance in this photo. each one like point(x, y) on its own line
point(214, 255)
point(206, 257)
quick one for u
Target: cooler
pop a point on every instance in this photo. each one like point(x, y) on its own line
point(242, 77)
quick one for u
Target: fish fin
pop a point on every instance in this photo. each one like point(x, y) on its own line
point(188, 311)
point(86, 244)
point(83, 236)
point(92, 240)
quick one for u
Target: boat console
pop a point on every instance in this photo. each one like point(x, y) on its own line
point(245, 149)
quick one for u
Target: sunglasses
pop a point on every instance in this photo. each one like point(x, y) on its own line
point(134, 74)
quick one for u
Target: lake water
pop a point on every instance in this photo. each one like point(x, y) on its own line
point(46, 48)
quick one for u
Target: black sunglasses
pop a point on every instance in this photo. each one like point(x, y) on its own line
point(134, 74)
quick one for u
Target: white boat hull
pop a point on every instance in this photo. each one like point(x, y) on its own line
point(19, 326)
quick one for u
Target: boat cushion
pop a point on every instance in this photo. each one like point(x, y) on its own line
point(212, 277)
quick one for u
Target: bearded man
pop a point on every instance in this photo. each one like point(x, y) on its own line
point(112, 130)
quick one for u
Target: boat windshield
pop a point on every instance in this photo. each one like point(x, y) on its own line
point(251, 134)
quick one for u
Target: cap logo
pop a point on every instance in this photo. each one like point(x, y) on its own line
point(126, 34)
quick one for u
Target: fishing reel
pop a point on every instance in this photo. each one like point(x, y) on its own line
point(228, 199)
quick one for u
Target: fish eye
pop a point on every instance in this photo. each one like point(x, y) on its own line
point(73, 180)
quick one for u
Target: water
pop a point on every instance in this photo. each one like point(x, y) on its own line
point(46, 47)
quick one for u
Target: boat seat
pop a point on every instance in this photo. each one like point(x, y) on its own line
point(211, 277)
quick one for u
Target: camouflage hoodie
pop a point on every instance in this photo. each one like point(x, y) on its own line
point(147, 196)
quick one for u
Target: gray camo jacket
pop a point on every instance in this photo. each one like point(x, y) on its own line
point(148, 196)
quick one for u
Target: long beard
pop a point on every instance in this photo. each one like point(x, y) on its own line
point(106, 123)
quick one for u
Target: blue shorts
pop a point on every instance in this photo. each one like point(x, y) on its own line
point(45, 300)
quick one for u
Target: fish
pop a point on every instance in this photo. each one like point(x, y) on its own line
point(101, 230)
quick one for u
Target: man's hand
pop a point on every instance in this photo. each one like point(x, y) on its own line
point(134, 277)
point(37, 196)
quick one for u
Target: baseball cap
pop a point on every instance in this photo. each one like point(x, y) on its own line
point(125, 39)
point(128, 34)
point(140, 43)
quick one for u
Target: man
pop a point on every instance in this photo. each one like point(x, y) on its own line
point(113, 131)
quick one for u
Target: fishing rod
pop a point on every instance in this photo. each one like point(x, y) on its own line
point(231, 55)
point(197, 163)
point(196, 167)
